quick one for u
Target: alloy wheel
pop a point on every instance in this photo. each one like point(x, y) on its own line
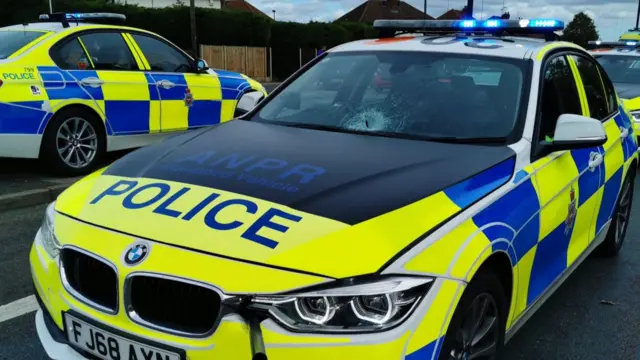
point(478, 336)
point(76, 142)
point(623, 212)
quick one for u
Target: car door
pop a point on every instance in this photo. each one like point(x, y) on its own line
point(566, 181)
point(110, 73)
point(603, 105)
point(188, 99)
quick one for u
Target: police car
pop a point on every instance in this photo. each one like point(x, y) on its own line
point(621, 61)
point(425, 218)
point(73, 87)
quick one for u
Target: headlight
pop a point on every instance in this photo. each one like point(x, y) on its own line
point(636, 115)
point(49, 241)
point(366, 307)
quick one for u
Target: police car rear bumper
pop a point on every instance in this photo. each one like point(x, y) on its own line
point(23, 146)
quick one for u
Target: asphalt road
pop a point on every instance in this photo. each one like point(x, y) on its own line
point(573, 324)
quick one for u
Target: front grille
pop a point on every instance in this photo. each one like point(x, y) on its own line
point(91, 279)
point(173, 305)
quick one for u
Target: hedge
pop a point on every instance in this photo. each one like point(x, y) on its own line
point(214, 27)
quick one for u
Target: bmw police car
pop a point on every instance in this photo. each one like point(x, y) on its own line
point(71, 90)
point(425, 219)
point(621, 61)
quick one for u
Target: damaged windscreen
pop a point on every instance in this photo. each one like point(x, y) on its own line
point(404, 94)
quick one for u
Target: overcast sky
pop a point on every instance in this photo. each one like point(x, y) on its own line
point(612, 17)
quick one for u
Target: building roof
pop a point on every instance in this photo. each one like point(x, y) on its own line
point(372, 10)
point(241, 5)
point(452, 14)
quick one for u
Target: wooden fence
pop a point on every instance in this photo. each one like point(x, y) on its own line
point(251, 61)
point(260, 63)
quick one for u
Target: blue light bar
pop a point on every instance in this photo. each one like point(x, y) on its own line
point(521, 26)
point(79, 17)
point(613, 44)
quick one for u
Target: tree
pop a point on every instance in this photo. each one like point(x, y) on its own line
point(581, 30)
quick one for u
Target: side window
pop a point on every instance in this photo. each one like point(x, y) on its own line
point(598, 106)
point(559, 96)
point(161, 56)
point(609, 90)
point(109, 51)
point(71, 56)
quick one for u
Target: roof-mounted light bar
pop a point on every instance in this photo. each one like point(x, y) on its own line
point(597, 44)
point(65, 18)
point(522, 26)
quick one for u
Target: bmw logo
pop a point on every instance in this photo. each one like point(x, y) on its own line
point(136, 253)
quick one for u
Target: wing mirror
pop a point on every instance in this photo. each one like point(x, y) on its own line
point(248, 102)
point(575, 132)
point(201, 65)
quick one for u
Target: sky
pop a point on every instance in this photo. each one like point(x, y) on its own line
point(612, 17)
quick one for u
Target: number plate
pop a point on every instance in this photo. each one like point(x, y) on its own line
point(108, 346)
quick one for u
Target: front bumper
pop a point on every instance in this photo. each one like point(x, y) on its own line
point(417, 338)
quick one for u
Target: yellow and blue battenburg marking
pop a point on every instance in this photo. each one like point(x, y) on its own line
point(131, 102)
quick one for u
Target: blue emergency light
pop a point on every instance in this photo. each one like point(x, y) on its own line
point(520, 26)
point(598, 44)
point(65, 18)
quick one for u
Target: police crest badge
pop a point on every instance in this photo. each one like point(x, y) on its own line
point(573, 210)
point(188, 97)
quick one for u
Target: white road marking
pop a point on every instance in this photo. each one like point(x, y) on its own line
point(18, 308)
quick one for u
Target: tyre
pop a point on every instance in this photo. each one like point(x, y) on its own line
point(617, 232)
point(74, 142)
point(477, 328)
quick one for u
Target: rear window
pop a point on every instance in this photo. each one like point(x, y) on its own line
point(12, 41)
point(418, 94)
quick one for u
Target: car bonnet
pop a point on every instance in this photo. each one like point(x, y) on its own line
point(320, 202)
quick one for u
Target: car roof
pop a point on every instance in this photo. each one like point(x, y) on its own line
point(58, 28)
point(507, 46)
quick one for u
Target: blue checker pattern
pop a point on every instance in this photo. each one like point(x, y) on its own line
point(128, 117)
point(233, 87)
point(516, 209)
point(550, 261)
point(589, 182)
point(609, 197)
point(204, 112)
point(61, 84)
point(478, 186)
point(154, 93)
point(175, 93)
point(427, 352)
point(520, 175)
point(22, 117)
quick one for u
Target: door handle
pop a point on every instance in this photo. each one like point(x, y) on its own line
point(93, 82)
point(623, 132)
point(166, 84)
point(595, 159)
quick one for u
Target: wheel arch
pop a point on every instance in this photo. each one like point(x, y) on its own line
point(84, 107)
point(500, 263)
point(102, 126)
